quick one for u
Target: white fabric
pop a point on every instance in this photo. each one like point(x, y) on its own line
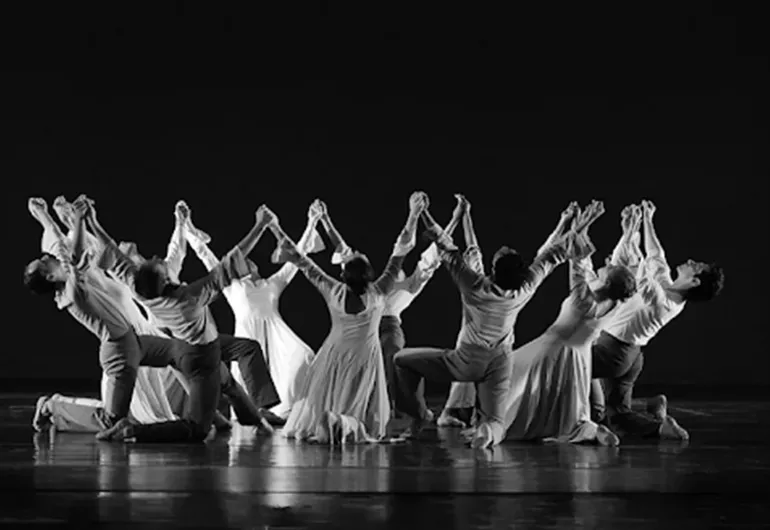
point(345, 396)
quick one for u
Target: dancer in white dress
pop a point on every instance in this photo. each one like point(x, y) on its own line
point(549, 393)
point(345, 397)
point(255, 305)
point(406, 289)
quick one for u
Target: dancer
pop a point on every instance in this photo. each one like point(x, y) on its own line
point(150, 401)
point(345, 397)
point(254, 302)
point(405, 290)
point(617, 357)
point(459, 409)
point(491, 305)
point(184, 310)
point(548, 397)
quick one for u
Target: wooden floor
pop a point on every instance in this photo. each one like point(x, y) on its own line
point(718, 480)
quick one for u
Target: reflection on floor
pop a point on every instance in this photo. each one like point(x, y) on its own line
point(241, 480)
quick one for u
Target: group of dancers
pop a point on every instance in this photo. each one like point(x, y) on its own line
point(166, 365)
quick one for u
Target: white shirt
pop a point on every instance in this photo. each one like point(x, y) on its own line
point(643, 315)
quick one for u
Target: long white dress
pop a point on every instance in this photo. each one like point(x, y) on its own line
point(255, 305)
point(551, 378)
point(344, 399)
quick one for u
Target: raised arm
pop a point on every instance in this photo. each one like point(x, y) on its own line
point(176, 251)
point(561, 227)
point(287, 251)
point(309, 243)
point(404, 244)
point(341, 248)
point(80, 210)
point(204, 253)
point(580, 265)
point(652, 246)
point(52, 234)
point(470, 234)
point(430, 260)
point(624, 252)
point(450, 255)
point(112, 258)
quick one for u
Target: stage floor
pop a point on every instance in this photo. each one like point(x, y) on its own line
point(239, 480)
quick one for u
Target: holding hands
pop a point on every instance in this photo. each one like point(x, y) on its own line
point(37, 207)
point(418, 202)
point(649, 209)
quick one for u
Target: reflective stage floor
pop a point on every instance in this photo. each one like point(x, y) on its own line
point(240, 480)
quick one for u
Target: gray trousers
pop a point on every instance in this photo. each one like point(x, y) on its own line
point(489, 369)
point(615, 367)
point(207, 376)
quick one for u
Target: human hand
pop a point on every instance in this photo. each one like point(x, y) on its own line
point(569, 212)
point(315, 211)
point(648, 208)
point(182, 212)
point(418, 202)
point(37, 206)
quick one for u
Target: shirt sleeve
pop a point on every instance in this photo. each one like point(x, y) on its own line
point(73, 287)
point(545, 263)
point(474, 259)
point(111, 258)
point(387, 280)
point(233, 266)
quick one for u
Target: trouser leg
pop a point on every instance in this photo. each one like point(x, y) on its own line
point(415, 364)
point(254, 371)
point(492, 393)
point(392, 341)
point(619, 400)
point(119, 360)
point(200, 364)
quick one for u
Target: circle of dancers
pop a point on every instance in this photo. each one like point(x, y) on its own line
point(165, 365)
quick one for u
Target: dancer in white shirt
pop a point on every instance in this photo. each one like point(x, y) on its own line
point(483, 353)
point(345, 397)
point(405, 290)
point(459, 409)
point(617, 356)
point(255, 303)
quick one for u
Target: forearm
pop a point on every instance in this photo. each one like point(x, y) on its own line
point(78, 244)
point(335, 238)
point(470, 234)
point(407, 238)
point(176, 250)
point(204, 254)
point(622, 254)
point(100, 233)
point(248, 243)
point(307, 236)
point(439, 237)
point(652, 246)
point(554, 236)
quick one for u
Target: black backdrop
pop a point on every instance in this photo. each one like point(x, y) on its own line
point(231, 110)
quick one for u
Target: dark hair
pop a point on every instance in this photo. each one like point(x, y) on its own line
point(36, 279)
point(148, 281)
point(357, 274)
point(509, 269)
point(620, 284)
point(712, 281)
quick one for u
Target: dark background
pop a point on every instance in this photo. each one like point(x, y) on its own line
point(522, 112)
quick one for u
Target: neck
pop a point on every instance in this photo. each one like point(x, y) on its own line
point(675, 294)
point(601, 295)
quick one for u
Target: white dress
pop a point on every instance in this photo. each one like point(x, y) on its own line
point(255, 305)
point(345, 397)
point(551, 378)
